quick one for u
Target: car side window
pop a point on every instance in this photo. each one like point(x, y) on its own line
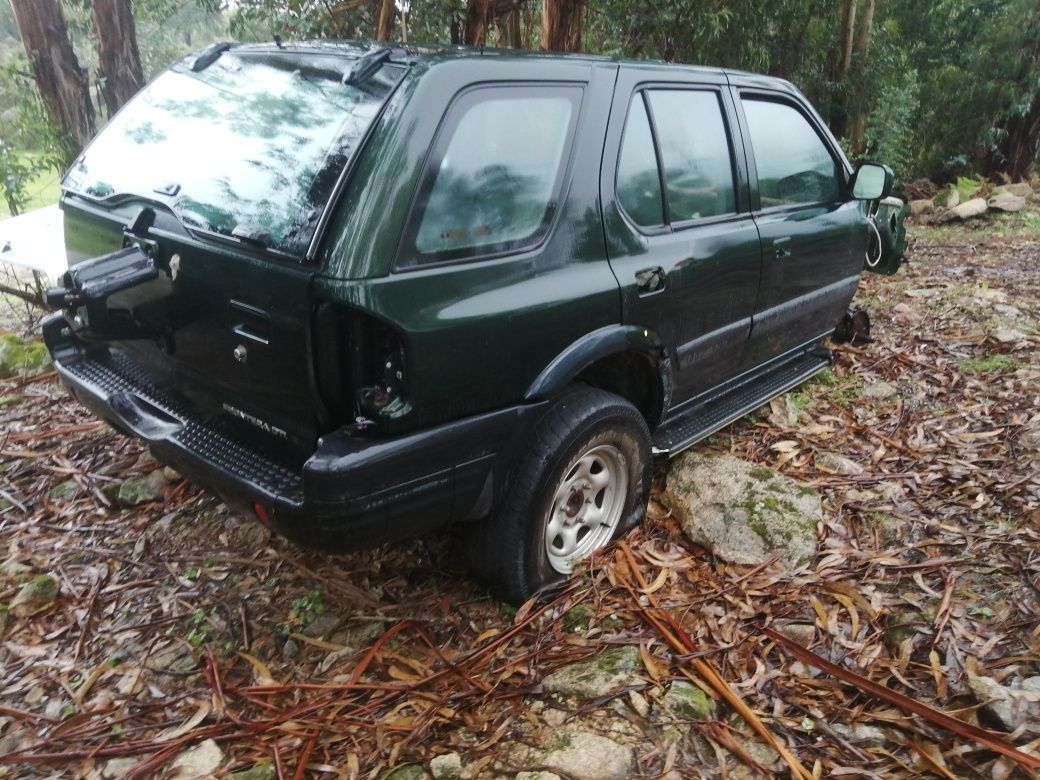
point(695, 153)
point(793, 163)
point(638, 184)
point(495, 174)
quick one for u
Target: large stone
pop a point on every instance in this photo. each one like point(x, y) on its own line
point(1020, 189)
point(996, 699)
point(861, 732)
point(685, 701)
point(142, 490)
point(260, 772)
point(116, 768)
point(609, 671)
point(537, 776)
point(586, 756)
point(743, 512)
point(878, 391)
point(975, 207)
point(200, 761)
point(446, 767)
point(1005, 201)
point(407, 772)
point(834, 463)
point(921, 207)
point(265, 771)
point(35, 596)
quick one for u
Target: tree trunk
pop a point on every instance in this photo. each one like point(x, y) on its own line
point(859, 122)
point(562, 24)
point(118, 56)
point(478, 19)
point(385, 26)
point(848, 29)
point(60, 80)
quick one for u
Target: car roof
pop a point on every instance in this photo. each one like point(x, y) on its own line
point(438, 53)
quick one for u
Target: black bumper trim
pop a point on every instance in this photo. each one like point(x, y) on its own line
point(351, 492)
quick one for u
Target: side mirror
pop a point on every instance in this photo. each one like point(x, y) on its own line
point(871, 181)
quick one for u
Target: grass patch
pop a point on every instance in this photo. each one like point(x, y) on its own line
point(44, 190)
point(987, 364)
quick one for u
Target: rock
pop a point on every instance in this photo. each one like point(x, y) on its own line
point(975, 207)
point(742, 512)
point(22, 358)
point(921, 207)
point(878, 391)
point(1019, 189)
point(837, 464)
point(265, 771)
point(1009, 335)
point(324, 624)
point(555, 717)
point(587, 756)
point(1004, 310)
point(11, 742)
point(803, 634)
point(408, 772)
point(65, 491)
point(446, 767)
point(291, 649)
point(142, 490)
point(861, 732)
point(686, 701)
point(989, 295)
point(116, 768)
point(537, 776)
point(784, 413)
point(637, 701)
point(1006, 202)
point(200, 761)
point(997, 700)
point(610, 670)
point(35, 596)
point(761, 752)
point(172, 475)
point(948, 198)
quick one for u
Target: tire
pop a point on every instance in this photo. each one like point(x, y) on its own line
point(582, 480)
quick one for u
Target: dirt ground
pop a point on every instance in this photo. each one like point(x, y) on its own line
point(174, 627)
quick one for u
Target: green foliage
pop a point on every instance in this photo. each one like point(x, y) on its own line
point(303, 611)
point(24, 126)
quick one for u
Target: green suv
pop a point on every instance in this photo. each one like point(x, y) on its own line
point(367, 292)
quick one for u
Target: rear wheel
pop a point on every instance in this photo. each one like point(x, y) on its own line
point(583, 480)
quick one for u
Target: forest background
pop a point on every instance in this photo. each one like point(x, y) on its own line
point(943, 90)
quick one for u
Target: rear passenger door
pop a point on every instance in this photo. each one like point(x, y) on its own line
point(680, 237)
point(813, 236)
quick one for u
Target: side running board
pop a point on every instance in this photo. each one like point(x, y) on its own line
point(700, 421)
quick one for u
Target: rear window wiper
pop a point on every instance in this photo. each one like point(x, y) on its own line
point(366, 66)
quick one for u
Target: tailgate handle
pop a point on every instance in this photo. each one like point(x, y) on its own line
point(251, 323)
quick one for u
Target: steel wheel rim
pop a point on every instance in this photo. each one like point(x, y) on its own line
point(587, 506)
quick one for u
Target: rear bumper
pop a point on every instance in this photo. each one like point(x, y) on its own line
point(350, 492)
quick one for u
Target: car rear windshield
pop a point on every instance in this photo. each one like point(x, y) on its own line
point(255, 141)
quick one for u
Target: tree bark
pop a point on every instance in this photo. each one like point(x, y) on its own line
point(562, 24)
point(385, 26)
point(859, 122)
point(848, 29)
point(118, 55)
point(478, 19)
point(60, 80)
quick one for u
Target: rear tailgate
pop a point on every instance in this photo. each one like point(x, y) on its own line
point(221, 174)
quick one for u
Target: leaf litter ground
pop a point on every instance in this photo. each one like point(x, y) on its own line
point(178, 622)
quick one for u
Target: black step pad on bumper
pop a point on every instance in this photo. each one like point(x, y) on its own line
point(117, 378)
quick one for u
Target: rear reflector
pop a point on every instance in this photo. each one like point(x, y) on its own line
point(263, 514)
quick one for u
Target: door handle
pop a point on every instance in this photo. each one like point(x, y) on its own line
point(650, 279)
point(779, 250)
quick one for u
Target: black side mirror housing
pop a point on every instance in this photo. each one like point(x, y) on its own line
point(871, 181)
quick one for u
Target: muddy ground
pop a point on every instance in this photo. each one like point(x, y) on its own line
point(166, 629)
